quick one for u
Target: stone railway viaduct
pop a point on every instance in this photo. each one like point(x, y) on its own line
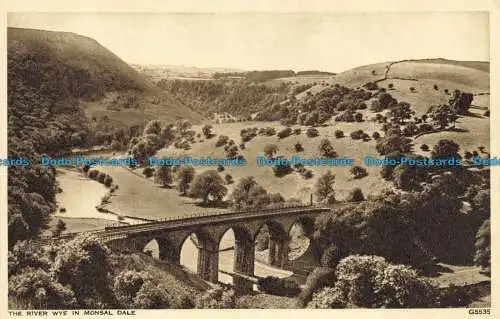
point(170, 235)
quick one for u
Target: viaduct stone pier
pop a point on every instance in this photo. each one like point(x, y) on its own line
point(170, 235)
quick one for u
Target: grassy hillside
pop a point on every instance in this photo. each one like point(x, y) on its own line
point(92, 64)
point(80, 68)
point(472, 132)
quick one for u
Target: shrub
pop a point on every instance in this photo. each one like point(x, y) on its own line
point(207, 131)
point(108, 180)
point(317, 279)
point(356, 195)
point(100, 177)
point(223, 139)
point(220, 168)
point(298, 147)
point(285, 133)
point(456, 296)
point(436, 87)
point(487, 113)
point(424, 147)
point(36, 287)
point(148, 172)
point(278, 286)
point(331, 256)
point(216, 299)
point(358, 172)
point(339, 134)
point(482, 256)
point(312, 132)
point(358, 117)
point(297, 131)
point(270, 150)
point(93, 173)
point(307, 174)
point(326, 149)
point(371, 282)
point(412, 89)
point(376, 135)
point(282, 169)
point(327, 298)
point(446, 91)
point(357, 135)
point(62, 210)
point(390, 86)
point(229, 179)
point(371, 86)
point(269, 131)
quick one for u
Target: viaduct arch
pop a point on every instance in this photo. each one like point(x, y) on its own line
point(209, 229)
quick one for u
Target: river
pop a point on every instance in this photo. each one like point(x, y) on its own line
point(80, 195)
point(189, 259)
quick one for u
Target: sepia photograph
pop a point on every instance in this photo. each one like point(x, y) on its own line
point(224, 160)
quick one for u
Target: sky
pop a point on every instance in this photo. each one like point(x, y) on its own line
point(331, 42)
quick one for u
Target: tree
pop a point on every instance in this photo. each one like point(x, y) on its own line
point(326, 149)
point(443, 115)
point(184, 177)
point(36, 289)
point(386, 101)
point(461, 101)
point(324, 187)
point(282, 167)
point(153, 127)
point(270, 150)
point(445, 149)
point(59, 228)
point(83, 264)
point(108, 180)
point(207, 131)
point(229, 179)
point(152, 296)
point(393, 143)
point(164, 175)
point(298, 147)
point(148, 172)
point(401, 111)
point(249, 194)
point(339, 134)
point(216, 299)
point(167, 133)
point(182, 126)
point(358, 172)
point(126, 285)
point(285, 132)
point(356, 195)
point(209, 187)
point(371, 282)
point(483, 246)
point(331, 256)
point(327, 298)
point(312, 132)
